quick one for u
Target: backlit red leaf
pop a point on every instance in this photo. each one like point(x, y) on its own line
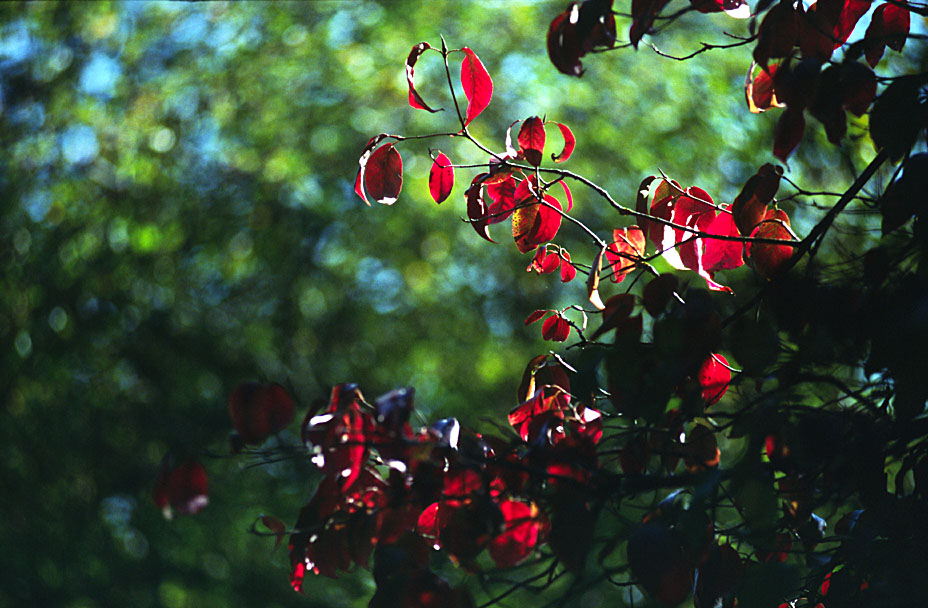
point(544, 262)
point(625, 251)
point(769, 259)
point(362, 162)
point(502, 194)
point(524, 528)
point(536, 223)
point(383, 177)
point(568, 272)
point(714, 378)
point(555, 328)
point(415, 100)
point(532, 140)
point(722, 254)
point(569, 143)
point(567, 193)
point(478, 87)
point(889, 26)
point(441, 178)
point(759, 90)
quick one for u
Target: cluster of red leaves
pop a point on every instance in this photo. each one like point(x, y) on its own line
point(546, 262)
point(579, 30)
point(804, 39)
point(454, 489)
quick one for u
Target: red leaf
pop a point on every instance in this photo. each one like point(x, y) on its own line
point(643, 14)
point(750, 206)
point(415, 100)
point(768, 259)
point(714, 378)
point(759, 90)
point(538, 314)
point(383, 178)
point(569, 142)
point(719, 254)
point(625, 251)
point(568, 272)
point(555, 328)
point(778, 33)
point(477, 208)
point(441, 178)
point(658, 293)
point(889, 26)
point(570, 197)
point(790, 128)
point(503, 196)
point(259, 410)
point(532, 140)
point(524, 528)
point(544, 262)
point(534, 223)
point(365, 157)
point(184, 489)
point(579, 30)
point(478, 87)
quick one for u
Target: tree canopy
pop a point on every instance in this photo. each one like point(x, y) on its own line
point(708, 387)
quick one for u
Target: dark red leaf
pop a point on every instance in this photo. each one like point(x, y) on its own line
point(750, 206)
point(714, 378)
point(415, 100)
point(259, 410)
point(643, 14)
point(441, 178)
point(563, 42)
point(383, 178)
point(532, 140)
point(858, 87)
point(658, 293)
point(477, 209)
point(738, 9)
point(768, 259)
point(778, 33)
point(478, 87)
point(889, 26)
point(183, 489)
point(503, 195)
point(569, 143)
point(656, 559)
point(538, 314)
point(790, 128)
point(555, 328)
point(579, 30)
point(568, 272)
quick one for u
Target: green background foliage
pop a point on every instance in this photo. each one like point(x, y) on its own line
point(178, 215)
